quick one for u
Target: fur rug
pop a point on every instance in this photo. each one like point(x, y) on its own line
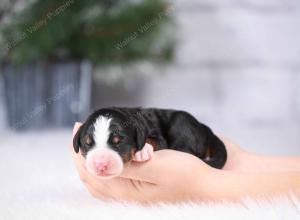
point(39, 181)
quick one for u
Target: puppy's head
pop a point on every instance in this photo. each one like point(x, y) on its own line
point(108, 139)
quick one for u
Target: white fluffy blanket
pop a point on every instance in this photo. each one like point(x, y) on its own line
point(39, 181)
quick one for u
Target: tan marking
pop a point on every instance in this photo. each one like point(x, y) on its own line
point(87, 140)
point(152, 142)
point(208, 154)
point(116, 139)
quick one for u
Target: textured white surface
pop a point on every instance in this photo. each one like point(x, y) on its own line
point(39, 181)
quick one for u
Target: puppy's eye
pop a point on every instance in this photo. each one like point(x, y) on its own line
point(88, 140)
point(115, 139)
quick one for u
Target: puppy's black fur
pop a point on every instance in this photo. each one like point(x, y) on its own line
point(170, 129)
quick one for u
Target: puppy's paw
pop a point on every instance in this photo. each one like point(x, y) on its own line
point(145, 154)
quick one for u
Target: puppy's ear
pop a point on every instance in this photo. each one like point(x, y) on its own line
point(141, 136)
point(76, 140)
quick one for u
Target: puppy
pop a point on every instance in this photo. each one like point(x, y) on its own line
point(111, 137)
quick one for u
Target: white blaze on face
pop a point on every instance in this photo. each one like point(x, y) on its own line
point(101, 133)
point(101, 160)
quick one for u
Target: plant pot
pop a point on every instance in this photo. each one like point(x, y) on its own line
point(46, 95)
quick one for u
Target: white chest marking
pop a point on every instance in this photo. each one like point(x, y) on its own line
point(101, 133)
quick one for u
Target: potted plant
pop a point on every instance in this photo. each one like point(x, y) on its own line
point(50, 49)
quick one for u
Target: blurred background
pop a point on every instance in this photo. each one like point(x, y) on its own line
point(234, 64)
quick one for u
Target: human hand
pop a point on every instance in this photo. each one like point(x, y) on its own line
point(173, 176)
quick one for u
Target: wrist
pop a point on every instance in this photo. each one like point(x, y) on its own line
point(234, 186)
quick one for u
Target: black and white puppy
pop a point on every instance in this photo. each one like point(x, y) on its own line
point(111, 137)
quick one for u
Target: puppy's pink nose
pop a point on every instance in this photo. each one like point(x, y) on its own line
point(102, 166)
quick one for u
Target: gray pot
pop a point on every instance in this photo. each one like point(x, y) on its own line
point(43, 95)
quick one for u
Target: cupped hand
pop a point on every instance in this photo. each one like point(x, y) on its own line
point(173, 176)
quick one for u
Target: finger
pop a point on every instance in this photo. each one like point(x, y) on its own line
point(115, 188)
point(94, 192)
point(82, 171)
point(94, 184)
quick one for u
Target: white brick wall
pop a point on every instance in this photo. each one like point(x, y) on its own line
point(237, 68)
point(238, 33)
